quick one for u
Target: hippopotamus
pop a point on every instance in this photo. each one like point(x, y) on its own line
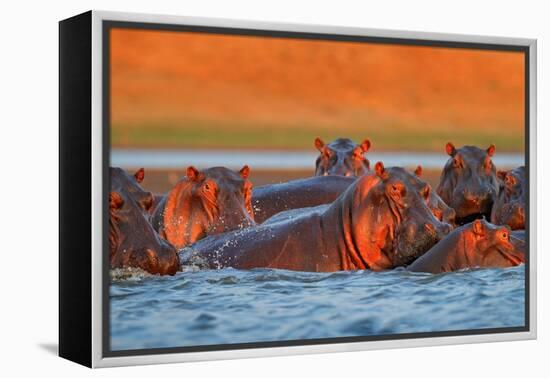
point(379, 222)
point(132, 240)
point(342, 157)
point(203, 203)
point(475, 244)
point(120, 180)
point(438, 207)
point(268, 200)
point(509, 207)
point(469, 182)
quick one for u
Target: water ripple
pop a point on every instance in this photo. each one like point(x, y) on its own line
point(233, 306)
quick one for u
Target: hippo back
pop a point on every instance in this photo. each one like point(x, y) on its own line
point(269, 200)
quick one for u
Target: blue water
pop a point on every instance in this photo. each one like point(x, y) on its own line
point(267, 160)
point(235, 306)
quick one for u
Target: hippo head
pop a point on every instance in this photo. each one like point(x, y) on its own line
point(342, 157)
point(468, 182)
point(225, 196)
point(394, 215)
point(475, 244)
point(509, 207)
point(132, 240)
point(490, 245)
point(130, 184)
point(206, 202)
point(437, 206)
point(417, 228)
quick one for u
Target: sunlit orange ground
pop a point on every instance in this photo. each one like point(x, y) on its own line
point(166, 80)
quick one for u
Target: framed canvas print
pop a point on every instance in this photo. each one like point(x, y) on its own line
point(232, 189)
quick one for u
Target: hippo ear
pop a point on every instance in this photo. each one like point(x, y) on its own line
point(140, 175)
point(450, 149)
point(491, 150)
point(192, 173)
point(319, 144)
point(365, 145)
point(245, 171)
point(478, 228)
point(115, 201)
point(418, 171)
point(379, 169)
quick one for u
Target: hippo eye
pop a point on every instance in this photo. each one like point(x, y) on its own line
point(396, 190)
point(209, 187)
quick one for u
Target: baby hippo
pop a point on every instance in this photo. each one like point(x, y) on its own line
point(476, 244)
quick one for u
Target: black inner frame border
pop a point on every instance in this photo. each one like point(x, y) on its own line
point(108, 25)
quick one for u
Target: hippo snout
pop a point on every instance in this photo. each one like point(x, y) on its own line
point(164, 259)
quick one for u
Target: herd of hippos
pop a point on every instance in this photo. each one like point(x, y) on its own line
point(348, 216)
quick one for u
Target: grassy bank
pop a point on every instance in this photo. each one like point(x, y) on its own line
point(384, 137)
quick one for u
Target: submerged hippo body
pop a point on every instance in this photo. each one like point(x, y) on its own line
point(342, 157)
point(204, 203)
point(132, 240)
point(476, 244)
point(468, 182)
point(509, 207)
point(120, 180)
point(269, 200)
point(378, 223)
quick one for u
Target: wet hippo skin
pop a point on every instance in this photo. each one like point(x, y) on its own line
point(379, 222)
point(268, 200)
point(203, 203)
point(132, 240)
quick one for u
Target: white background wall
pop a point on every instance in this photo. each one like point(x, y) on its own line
point(28, 178)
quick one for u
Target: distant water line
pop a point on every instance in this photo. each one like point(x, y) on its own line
point(277, 160)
